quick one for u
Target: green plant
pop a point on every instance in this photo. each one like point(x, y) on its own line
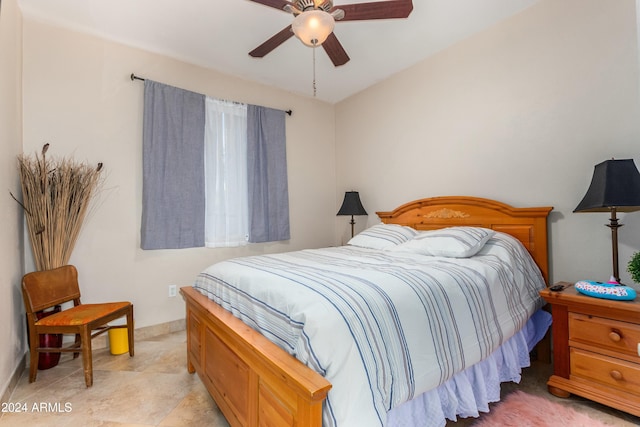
point(634, 267)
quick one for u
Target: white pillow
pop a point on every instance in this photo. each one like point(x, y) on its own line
point(452, 242)
point(383, 236)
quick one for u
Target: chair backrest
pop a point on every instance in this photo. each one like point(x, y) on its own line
point(44, 289)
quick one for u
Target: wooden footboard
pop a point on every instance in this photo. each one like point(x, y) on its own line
point(253, 381)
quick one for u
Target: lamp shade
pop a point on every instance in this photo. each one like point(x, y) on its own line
point(615, 185)
point(351, 204)
point(313, 27)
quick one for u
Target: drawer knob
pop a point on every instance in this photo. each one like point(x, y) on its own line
point(616, 375)
point(615, 336)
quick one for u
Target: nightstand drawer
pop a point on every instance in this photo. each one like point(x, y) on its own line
point(617, 373)
point(610, 334)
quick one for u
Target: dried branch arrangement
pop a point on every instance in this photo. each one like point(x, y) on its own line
point(56, 196)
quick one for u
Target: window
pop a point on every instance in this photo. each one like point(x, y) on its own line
point(225, 165)
point(214, 172)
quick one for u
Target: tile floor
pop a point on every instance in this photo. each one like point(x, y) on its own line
point(154, 389)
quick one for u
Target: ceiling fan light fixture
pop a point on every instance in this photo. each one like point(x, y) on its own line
point(313, 27)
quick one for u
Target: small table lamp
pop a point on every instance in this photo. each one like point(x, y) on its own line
point(351, 205)
point(615, 187)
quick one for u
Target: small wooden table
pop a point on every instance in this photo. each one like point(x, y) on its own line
point(596, 348)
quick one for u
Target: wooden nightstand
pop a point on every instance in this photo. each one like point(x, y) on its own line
point(595, 348)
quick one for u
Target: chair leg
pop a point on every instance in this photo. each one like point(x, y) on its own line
point(87, 356)
point(77, 342)
point(33, 362)
point(130, 330)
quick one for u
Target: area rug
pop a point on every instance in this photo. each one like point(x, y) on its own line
point(520, 409)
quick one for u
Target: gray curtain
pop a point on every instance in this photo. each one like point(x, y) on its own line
point(173, 198)
point(267, 175)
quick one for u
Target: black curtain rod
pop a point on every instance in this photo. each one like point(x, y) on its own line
point(134, 77)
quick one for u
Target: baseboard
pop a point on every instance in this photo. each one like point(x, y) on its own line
point(145, 333)
point(160, 329)
point(15, 377)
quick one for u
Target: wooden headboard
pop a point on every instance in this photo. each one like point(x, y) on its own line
point(529, 225)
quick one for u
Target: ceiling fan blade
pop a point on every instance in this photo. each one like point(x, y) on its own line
point(334, 49)
point(272, 43)
point(376, 10)
point(277, 4)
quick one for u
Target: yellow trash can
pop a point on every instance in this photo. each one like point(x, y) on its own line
point(118, 341)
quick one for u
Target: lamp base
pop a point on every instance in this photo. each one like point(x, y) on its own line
point(614, 225)
point(353, 223)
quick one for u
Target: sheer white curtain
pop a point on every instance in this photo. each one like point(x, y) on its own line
point(225, 141)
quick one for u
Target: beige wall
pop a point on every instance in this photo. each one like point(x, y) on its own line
point(519, 113)
point(78, 96)
point(12, 330)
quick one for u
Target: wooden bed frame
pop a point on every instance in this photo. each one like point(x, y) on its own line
point(256, 383)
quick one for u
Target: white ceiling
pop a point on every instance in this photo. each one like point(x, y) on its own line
point(218, 34)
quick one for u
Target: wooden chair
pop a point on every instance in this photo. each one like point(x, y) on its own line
point(45, 289)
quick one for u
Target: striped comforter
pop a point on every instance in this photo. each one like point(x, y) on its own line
point(381, 326)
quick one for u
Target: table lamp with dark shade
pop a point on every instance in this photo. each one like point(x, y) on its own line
point(351, 205)
point(615, 187)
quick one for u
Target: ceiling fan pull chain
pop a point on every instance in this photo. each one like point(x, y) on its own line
point(314, 69)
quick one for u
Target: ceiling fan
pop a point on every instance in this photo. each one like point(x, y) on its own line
point(314, 21)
